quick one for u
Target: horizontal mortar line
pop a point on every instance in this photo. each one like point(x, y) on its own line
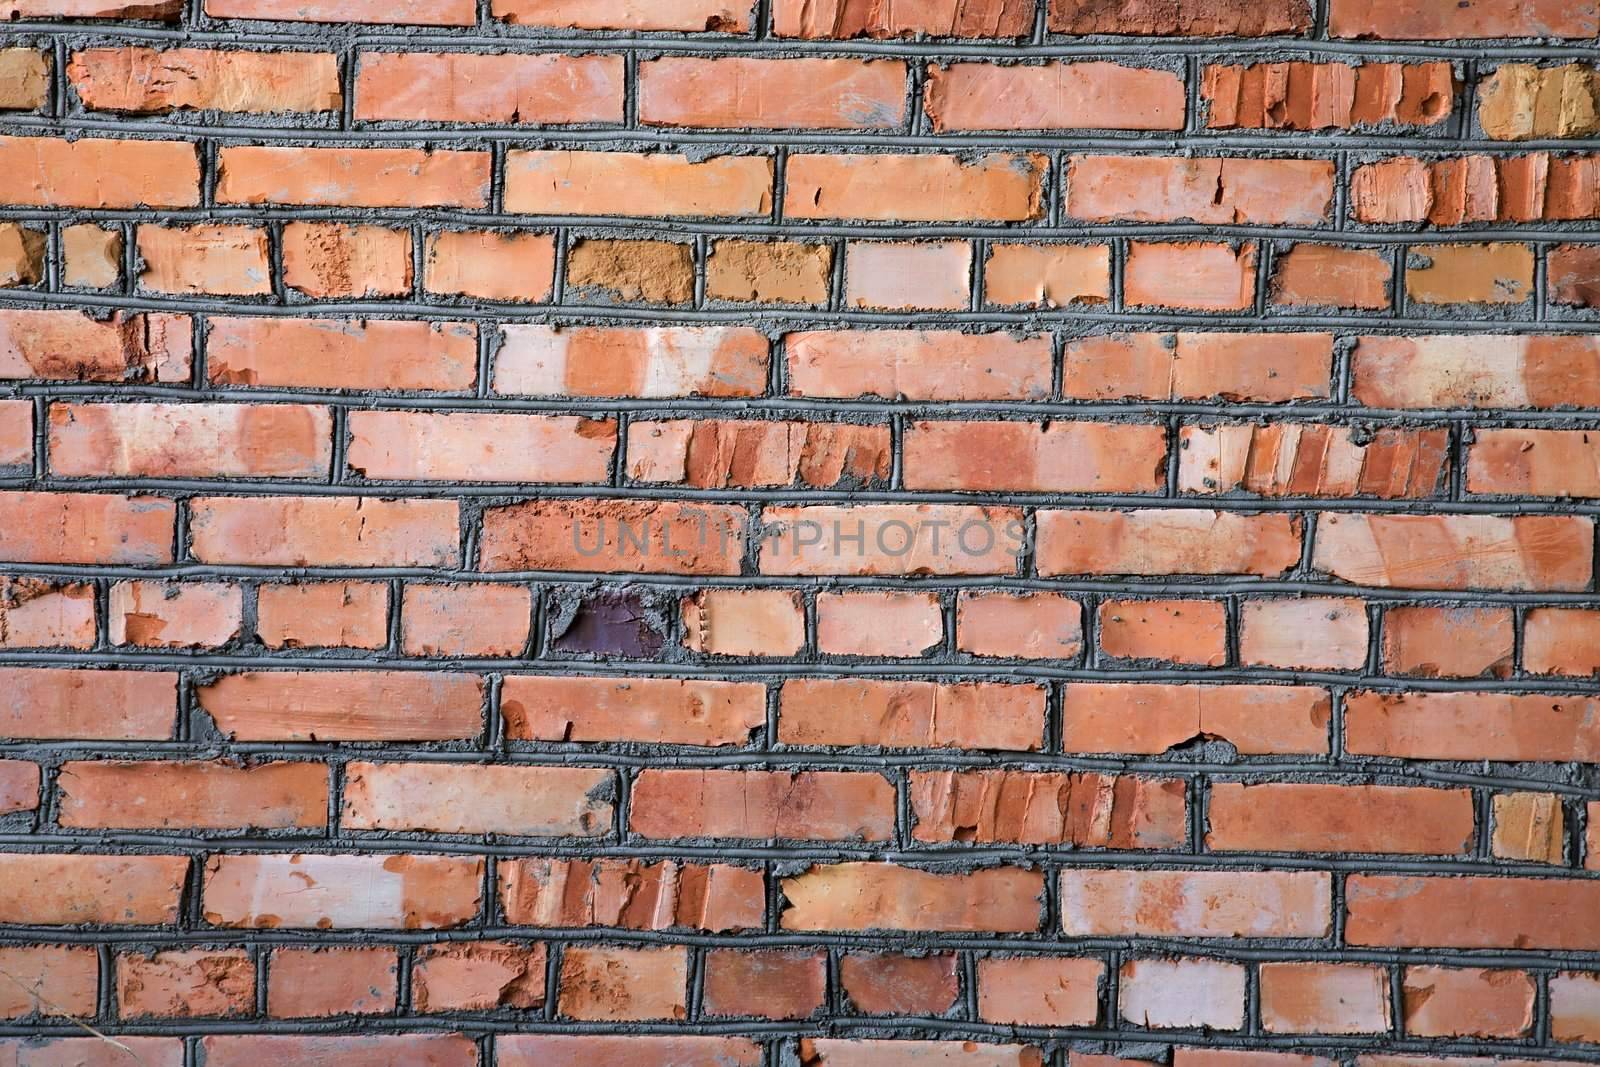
point(890, 1028)
point(506, 35)
point(775, 671)
point(1091, 139)
point(1246, 950)
point(504, 494)
point(1046, 862)
point(1351, 770)
point(1156, 585)
point(624, 757)
point(1025, 231)
point(796, 320)
point(776, 407)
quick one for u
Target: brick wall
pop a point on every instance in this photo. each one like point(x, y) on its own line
point(543, 532)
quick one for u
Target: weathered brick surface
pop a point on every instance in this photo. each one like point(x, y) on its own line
point(823, 533)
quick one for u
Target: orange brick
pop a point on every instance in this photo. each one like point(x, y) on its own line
point(772, 94)
point(460, 87)
point(1058, 457)
point(490, 265)
point(877, 623)
point(328, 354)
point(174, 614)
point(744, 622)
point(914, 188)
point(97, 173)
point(1205, 190)
point(190, 440)
point(473, 447)
point(328, 260)
point(1300, 817)
point(1199, 275)
point(148, 80)
point(323, 615)
point(353, 177)
point(1181, 631)
point(1053, 96)
point(466, 620)
point(631, 183)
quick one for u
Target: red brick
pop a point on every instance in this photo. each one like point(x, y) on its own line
point(1027, 626)
point(460, 87)
point(491, 265)
point(480, 447)
point(298, 1050)
point(630, 536)
point(1050, 275)
point(1192, 632)
point(1575, 1007)
point(1156, 541)
point(90, 528)
point(840, 1052)
point(413, 12)
point(560, 182)
point(1054, 96)
point(325, 260)
point(16, 433)
point(892, 984)
point(1208, 190)
point(1561, 641)
point(37, 613)
point(1324, 998)
point(352, 177)
point(772, 94)
point(1472, 726)
point(311, 982)
point(1040, 990)
point(1318, 633)
point(1528, 462)
point(870, 539)
point(190, 440)
point(19, 786)
point(1448, 642)
point(911, 714)
point(1038, 808)
point(147, 80)
point(631, 894)
point(918, 365)
point(1182, 993)
point(1328, 276)
point(881, 896)
point(711, 16)
point(1152, 718)
point(466, 620)
point(92, 1051)
point(1303, 817)
point(658, 362)
point(1316, 96)
point(477, 976)
point(345, 705)
point(650, 710)
point(1197, 366)
point(1472, 912)
point(1533, 552)
point(60, 704)
point(224, 260)
point(1181, 18)
point(477, 799)
point(70, 346)
point(852, 18)
point(997, 187)
point(184, 983)
point(878, 623)
point(150, 795)
point(1421, 20)
point(1475, 371)
point(744, 622)
point(49, 979)
point(1204, 276)
point(97, 173)
point(810, 805)
point(717, 453)
point(1054, 457)
point(323, 615)
point(325, 531)
point(46, 889)
point(768, 984)
point(1308, 459)
point(1468, 1002)
point(908, 275)
point(1574, 275)
point(633, 1050)
point(1139, 903)
point(1478, 188)
point(333, 354)
point(602, 983)
point(388, 892)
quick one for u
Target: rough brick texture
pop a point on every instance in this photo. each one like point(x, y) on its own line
point(801, 533)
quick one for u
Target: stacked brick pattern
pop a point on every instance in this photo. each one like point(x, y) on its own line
point(1270, 328)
